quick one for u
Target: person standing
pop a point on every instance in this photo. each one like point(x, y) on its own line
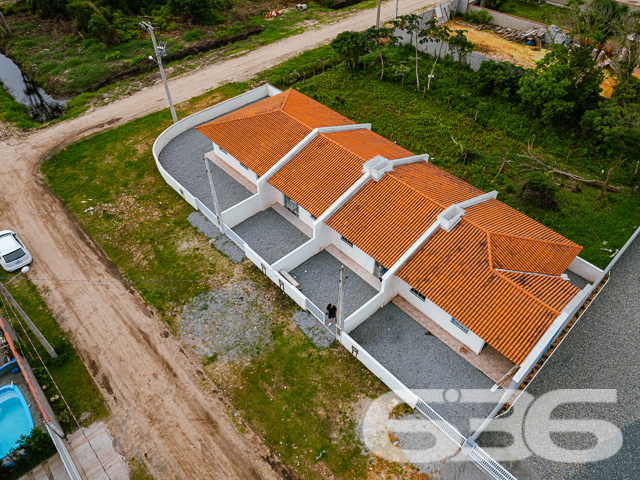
point(331, 312)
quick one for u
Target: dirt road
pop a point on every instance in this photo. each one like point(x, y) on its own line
point(163, 408)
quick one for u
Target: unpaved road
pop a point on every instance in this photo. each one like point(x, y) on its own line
point(163, 409)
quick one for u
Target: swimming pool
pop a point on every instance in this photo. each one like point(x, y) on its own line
point(15, 419)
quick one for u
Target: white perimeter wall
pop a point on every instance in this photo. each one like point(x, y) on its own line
point(438, 315)
point(231, 161)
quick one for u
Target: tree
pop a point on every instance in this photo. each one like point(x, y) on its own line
point(414, 26)
point(462, 47)
point(624, 64)
point(376, 41)
point(440, 34)
point(350, 46)
point(562, 86)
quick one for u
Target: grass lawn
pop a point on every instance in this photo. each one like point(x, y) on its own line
point(67, 370)
point(539, 12)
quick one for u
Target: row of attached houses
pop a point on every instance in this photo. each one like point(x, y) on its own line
point(483, 271)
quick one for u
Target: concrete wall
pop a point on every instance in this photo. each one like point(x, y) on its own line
point(506, 20)
point(585, 269)
point(300, 255)
point(365, 311)
point(232, 162)
point(240, 212)
point(442, 318)
point(473, 59)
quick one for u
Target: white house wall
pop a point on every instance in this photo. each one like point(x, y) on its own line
point(354, 253)
point(235, 164)
point(438, 315)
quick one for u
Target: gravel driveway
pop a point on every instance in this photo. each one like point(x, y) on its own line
point(422, 361)
point(182, 158)
point(270, 234)
point(318, 278)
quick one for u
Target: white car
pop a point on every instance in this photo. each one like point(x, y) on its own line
point(13, 254)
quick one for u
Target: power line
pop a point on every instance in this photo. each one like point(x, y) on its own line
point(2, 297)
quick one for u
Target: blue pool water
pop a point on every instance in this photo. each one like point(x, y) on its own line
point(15, 419)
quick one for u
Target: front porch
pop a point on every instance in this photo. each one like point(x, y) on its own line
point(420, 359)
point(271, 233)
point(318, 279)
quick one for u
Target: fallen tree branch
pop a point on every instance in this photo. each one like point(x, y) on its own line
point(596, 183)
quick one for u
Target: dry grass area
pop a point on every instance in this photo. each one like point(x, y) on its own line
point(493, 45)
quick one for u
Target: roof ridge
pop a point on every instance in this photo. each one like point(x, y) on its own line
point(519, 272)
point(555, 242)
point(536, 299)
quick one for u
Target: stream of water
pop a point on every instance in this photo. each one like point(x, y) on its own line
point(42, 107)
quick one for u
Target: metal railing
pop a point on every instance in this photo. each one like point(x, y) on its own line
point(489, 465)
point(441, 423)
point(315, 311)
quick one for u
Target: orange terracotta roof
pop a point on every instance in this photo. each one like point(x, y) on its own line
point(329, 165)
point(510, 311)
point(259, 135)
point(385, 218)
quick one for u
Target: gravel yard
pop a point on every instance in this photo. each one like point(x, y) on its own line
point(270, 234)
point(183, 159)
point(318, 278)
point(421, 361)
point(228, 323)
point(311, 327)
point(220, 241)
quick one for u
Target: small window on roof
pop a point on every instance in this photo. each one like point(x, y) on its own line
point(346, 241)
point(418, 294)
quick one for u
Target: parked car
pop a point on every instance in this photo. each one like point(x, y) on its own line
point(13, 254)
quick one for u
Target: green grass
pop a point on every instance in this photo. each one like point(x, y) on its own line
point(138, 471)
point(539, 12)
point(67, 370)
point(299, 398)
point(427, 122)
point(12, 111)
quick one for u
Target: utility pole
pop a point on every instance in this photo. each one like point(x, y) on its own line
point(216, 206)
point(396, 17)
point(378, 17)
point(340, 323)
point(160, 51)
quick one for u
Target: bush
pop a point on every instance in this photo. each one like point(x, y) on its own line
point(109, 57)
point(478, 17)
point(193, 35)
point(498, 78)
point(540, 191)
point(31, 450)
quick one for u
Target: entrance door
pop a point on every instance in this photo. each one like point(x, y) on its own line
point(291, 206)
point(379, 270)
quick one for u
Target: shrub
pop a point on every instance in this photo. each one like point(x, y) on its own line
point(193, 35)
point(478, 17)
point(109, 57)
point(498, 78)
point(540, 191)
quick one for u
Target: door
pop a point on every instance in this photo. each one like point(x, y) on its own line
point(379, 270)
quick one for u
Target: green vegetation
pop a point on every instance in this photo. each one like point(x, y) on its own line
point(67, 370)
point(31, 450)
point(138, 471)
point(538, 11)
point(299, 398)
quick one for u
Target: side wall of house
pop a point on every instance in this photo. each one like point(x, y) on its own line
point(354, 253)
point(438, 315)
point(231, 161)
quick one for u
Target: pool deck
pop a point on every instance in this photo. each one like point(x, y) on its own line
point(18, 380)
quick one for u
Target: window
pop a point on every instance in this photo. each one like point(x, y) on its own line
point(291, 206)
point(313, 217)
point(13, 256)
point(418, 294)
point(346, 241)
point(223, 150)
point(459, 325)
point(243, 165)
